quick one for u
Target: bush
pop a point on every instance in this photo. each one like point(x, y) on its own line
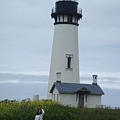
point(53, 111)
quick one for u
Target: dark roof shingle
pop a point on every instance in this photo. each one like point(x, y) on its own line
point(75, 87)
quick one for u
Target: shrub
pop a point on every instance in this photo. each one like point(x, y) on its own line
point(53, 111)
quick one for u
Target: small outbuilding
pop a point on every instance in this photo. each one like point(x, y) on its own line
point(77, 95)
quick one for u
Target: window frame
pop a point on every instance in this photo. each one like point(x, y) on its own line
point(69, 63)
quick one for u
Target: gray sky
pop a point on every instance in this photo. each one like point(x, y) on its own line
point(26, 35)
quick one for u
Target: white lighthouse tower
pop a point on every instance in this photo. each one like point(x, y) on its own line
point(65, 54)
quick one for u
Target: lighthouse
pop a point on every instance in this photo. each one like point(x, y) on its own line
point(65, 51)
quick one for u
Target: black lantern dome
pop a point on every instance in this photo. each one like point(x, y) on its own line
point(66, 12)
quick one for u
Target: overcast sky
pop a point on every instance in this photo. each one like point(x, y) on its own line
point(26, 35)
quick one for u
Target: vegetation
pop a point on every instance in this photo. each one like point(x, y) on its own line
point(26, 110)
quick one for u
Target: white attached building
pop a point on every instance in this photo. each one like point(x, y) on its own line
point(77, 95)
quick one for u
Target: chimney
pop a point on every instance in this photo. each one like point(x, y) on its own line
point(58, 76)
point(94, 79)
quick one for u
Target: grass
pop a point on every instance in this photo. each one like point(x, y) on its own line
point(54, 111)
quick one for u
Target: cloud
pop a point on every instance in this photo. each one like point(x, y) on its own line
point(23, 82)
point(26, 34)
point(33, 73)
point(17, 78)
point(9, 81)
point(105, 80)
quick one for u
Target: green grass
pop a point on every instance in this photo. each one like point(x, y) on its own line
point(54, 111)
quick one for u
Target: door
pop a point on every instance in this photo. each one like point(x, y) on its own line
point(81, 100)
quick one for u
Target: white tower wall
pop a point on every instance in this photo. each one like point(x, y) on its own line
point(65, 42)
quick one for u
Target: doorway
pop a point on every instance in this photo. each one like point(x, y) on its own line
point(81, 100)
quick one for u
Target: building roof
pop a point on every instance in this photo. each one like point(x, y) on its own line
point(70, 88)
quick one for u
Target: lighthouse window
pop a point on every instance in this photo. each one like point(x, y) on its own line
point(76, 20)
point(69, 18)
point(59, 18)
point(55, 19)
point(63, 18)
point(69, 61)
